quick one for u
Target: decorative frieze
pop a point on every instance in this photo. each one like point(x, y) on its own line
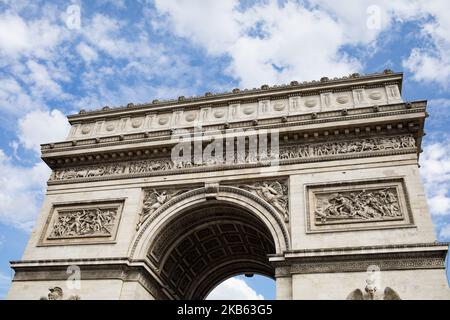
point(289, 153)
point(82, 222)
point(361, 265)
point(358, 204)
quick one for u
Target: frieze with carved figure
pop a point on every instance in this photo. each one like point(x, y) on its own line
point(299, 151)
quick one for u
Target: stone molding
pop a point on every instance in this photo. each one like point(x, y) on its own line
point(361, 264)
point(336, 85)
point(271, 123)
point(419, 256)
point(91, 269)
point(263, 108)
point(288, 154)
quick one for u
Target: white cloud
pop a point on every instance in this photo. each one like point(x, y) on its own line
point(213, 24)
point(234, 289)
point(268, 43)
point(21, 189)
point(444, 233)
point(28, 38)
point(13, 98)
point(106, 34)
point(14, 35)
point(430, 62)
point(440, 203)
point(429, 66)
point(435, 171)
point(41, 82)
point(274, 42)
point(87, 52)
point(39, 127)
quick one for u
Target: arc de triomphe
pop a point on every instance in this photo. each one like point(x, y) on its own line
point(158, 201)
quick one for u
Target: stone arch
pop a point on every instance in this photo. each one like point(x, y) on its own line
point(256, 205)
point(212, 227)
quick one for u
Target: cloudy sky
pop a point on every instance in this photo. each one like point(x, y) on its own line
point(54, 62)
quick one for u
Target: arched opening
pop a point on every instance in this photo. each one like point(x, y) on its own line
point(202, 246)
point(243, 287)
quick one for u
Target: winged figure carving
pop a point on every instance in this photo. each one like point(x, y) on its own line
point(153, 200)
point(275, 193)
point(372, 294)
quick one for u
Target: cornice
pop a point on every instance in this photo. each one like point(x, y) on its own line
point(305, 88)
point(93, 269)
point(411, 246)
point(358, 259)
point(299, 123)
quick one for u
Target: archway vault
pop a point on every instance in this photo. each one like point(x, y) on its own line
point(197, 241)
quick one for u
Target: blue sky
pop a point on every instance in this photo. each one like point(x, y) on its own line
point(136, 51)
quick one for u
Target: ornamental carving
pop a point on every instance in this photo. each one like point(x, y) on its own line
point(368, 205)
point(75, 223)
point(371, 292)
point(274, 192)
point(56, 293)
point(155, 199)
point(357, 205)
point(89, 222)
point(298, 152)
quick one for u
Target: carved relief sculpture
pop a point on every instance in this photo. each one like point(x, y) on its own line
point(56, 293)
point(274, 192)
point(81, 222)
point(90, 222)
point(302, 151)
point(153, 200)
point(374, 204)
point(371, 293)
point(357, 204)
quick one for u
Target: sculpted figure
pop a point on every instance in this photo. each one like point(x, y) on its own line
point(365, 204)
point(56, 293)
point(152, 202)
point(273, 194)
point(371, 293)
point(95, 221)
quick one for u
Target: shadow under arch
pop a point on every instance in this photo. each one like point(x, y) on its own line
point(196, 240)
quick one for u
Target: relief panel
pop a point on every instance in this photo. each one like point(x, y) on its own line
point(87, 222)
point(357, 205)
